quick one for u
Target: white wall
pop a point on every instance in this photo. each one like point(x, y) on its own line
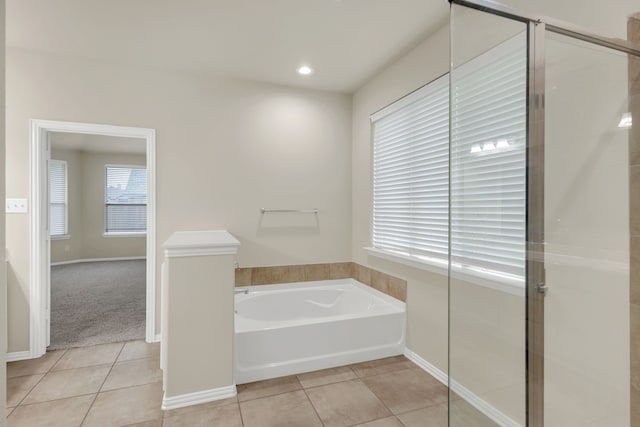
point(225, 148)
point(85, 185)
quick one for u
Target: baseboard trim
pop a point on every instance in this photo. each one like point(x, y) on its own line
point(481, 405)
point(18, 355)
point(198, 397)
point(76, 261)
point(426, 366)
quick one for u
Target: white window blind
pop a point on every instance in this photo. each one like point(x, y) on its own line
point(126, 199)
point(488, 160)
point(57, 198)
point(411, 173)
point(488, 167)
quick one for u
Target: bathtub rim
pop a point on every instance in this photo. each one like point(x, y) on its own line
point(394, 304)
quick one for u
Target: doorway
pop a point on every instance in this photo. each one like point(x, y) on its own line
point(42, 226)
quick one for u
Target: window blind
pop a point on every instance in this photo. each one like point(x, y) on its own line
point(488, 160)
point(126, 199)
point(57, 197)
point(488, 166)
point(411, 173)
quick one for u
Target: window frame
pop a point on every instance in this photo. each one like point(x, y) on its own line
point(65, 235)
point(109, 234)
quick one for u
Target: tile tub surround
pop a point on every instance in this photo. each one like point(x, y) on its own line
point(633, 32)
point(383, 282)
point(390, 392)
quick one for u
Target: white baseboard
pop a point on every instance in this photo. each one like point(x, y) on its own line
point(75, 261)
point(481, 405)
point(18, 355)
point(198, 397)
point(431, 369)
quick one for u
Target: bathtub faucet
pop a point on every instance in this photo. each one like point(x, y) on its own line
point(242, 291)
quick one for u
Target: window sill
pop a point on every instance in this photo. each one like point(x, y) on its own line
point(61, 237)
point(495, 281)
point(125, 234)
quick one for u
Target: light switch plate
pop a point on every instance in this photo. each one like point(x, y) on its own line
point(16, 206)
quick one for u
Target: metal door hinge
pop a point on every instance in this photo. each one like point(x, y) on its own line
point(541, 288)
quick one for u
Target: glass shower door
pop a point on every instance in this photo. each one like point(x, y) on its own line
point(544, 280)
point(488, 138)
point(588, 213)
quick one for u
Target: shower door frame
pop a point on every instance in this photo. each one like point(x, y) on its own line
point(537, 27)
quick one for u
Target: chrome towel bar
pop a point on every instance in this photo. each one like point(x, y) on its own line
point(313, 211)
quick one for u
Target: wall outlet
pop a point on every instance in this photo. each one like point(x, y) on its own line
point(16, 206)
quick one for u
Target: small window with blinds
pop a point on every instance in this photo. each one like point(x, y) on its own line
point(125, 200)
point(58, 222)
point(488, 138)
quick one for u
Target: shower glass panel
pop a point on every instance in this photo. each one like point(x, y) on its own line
point(488, 136)
point(587, 234)
point(544, 239)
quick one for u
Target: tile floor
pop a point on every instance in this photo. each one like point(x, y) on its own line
point(120, 385)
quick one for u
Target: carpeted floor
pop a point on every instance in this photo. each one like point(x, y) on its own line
point(97, 302)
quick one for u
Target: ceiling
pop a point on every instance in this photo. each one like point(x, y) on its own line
point(97, 143)
point(345, 41)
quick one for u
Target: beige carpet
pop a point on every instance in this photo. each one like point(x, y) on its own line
point(97, 302)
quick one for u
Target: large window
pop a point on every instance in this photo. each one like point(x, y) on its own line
point(413, 187)
point(125, 200)
point(58, 222)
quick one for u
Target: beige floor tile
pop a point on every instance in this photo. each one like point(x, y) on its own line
point(407, 390)
point(382, 366)
point(326, 376)
point(139, 350)
point(126, 406)
point(201, 407)
point(132, 373)
point(463, 414)
point(289, 409)
point(433, 416)
point(63, 413)
point(9, 411)
point(103, 354)
point(380, 362)
point(383, 422)
point(40, 365)
point(19, 387)
point(346, 403)
point(222, 416)
point(268, 388)
point(68, 383)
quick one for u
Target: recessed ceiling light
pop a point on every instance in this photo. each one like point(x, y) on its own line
point(305, 70)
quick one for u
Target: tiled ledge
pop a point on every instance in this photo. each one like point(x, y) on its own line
point(383, 282)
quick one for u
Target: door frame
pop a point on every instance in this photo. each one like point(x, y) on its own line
point(39, 240)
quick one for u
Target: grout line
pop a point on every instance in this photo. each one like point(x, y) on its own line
point(101, 385)
point(55, 400)
point(239, 410)
point(30, 390)
point(313, 406)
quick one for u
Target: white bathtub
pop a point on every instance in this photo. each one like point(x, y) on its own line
point(300, 327)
